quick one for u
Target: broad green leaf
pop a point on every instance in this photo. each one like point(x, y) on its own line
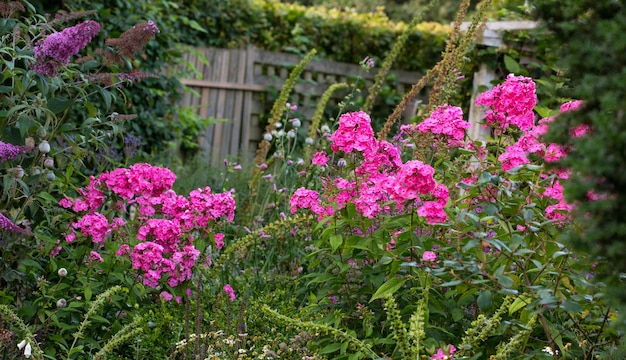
point(388, 288)
point(59, 104)
point(485, 299)
point(519, 303)
point(511, 65)
point(88, 294)
point(335, 242)
point(330, 348)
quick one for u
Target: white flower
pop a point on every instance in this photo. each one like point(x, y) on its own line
point(291, 134)
point(267, 137)
point(325, 129)
point(308, 141)
point(280, 133)
point(296, 122)
point(279, 125)
point(548, 350)
point(28, 350)
point(62, 272)
point(21, 344)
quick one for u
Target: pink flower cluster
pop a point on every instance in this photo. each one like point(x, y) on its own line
point(444, 355)
point(446, 121)
point(510, 103)
point(56, 49)
point(164, 223)
point(380, 179)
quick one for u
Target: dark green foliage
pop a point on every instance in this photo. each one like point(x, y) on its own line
point(593, 52)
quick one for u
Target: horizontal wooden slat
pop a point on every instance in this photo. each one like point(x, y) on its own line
point(222, 85)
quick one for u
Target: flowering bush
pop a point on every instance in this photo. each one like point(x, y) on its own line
point(463, 227)
point(158, 230)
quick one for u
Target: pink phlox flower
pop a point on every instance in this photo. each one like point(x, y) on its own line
point(184, 261)
point(304, 199)
point(320, 158)
point(554, 152)
point(571, 106)
point(164, 232)
point(219, 241)
point(529, 144)
point(66, 202)
point(95, 225)
point(372, 194)
point(123, 250)
point(414, 178)
point(166, 296)
point(441, 354)
point(94, 257)
point(230, 292)
point(446, 120)
point(429, 256)
point(510, 103)
point(581, 130)
point(513, 156)
point(442, 194)
point(354, 133)
point(433, 212)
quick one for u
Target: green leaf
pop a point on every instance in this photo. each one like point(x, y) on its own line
point(485, 299)
point(330, 348)
point(335, 242)
point(451, 283)
point(571, 306)
point(388, 288)
point(88, 294)
point(519, 303)
point(511, 65)
point(59, 104)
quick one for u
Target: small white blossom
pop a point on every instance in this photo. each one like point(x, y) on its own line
point(279, 125)
point(62, 272)
point(308, 141)
point(280, 133)
point(325, 129)
point(296, 122)
point(291, 134)
point(267, 137)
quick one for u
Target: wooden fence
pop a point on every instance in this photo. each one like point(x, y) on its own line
point(231, 84)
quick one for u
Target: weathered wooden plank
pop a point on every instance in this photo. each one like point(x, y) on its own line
point(222, 85)
point(237, 121)
point(218, 139)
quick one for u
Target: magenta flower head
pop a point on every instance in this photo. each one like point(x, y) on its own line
point(229, 290)
point(56, 49)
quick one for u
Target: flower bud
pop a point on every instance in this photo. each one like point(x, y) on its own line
point(50, 176)
point(29, 142)
point(308, 141)
point(48, 163)
point(291, 134)
point(61, 303)
point(42, 132)
point(267, 137)
point(62, 272)
point(296, 123)
point(18, 172)
point(44, 147)
point(325, 129)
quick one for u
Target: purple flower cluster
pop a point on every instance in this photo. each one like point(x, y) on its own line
point(56, 49)
point(10, 151)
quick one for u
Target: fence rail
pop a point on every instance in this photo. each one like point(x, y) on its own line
point(230, 85)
